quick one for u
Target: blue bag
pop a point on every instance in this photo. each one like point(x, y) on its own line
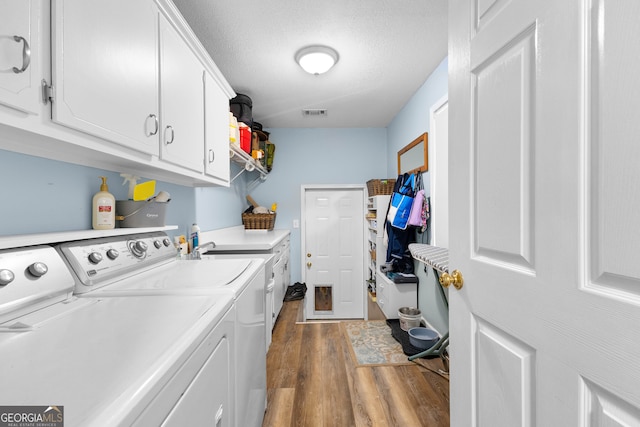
point(401, 202)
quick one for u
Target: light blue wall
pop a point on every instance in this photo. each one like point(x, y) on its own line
point(42, 196)
point(317, 156)
point(411, 122)
point(221, 207)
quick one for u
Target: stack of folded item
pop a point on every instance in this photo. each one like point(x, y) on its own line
point(402, 277)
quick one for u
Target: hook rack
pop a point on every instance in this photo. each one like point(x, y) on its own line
point(438, 259)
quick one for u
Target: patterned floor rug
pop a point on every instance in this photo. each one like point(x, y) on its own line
point(371, 343)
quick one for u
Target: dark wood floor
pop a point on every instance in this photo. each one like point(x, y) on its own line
point(312, 381)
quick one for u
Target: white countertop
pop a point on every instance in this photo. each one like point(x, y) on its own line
point(239, 239)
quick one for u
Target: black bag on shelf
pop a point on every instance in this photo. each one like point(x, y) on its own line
point(241, 106)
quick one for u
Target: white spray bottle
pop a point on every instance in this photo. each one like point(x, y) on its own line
point(132, 180)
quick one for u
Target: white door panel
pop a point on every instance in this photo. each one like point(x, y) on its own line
point(20, 50)
point(334, 250)
point(543, 106)
point(182, 100)
point(106, 75)
point(216, 125)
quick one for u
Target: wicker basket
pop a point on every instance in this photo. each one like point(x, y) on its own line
point(379, 187)
point(259, 221)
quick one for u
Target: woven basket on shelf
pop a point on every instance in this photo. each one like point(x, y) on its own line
point(378, 187)
point(259, 221)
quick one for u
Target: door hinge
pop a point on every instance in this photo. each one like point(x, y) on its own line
point(48, 92)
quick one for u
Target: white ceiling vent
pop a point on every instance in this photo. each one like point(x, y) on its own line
point(318, 112)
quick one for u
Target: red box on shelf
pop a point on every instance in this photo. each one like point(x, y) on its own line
point(245, 138)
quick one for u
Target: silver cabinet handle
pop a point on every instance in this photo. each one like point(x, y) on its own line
point(211, 156)
point(172, 135)
point(26, 55)
point(155, 119)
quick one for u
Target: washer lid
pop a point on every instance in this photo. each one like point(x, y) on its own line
point(197, 277)
point(100, 358)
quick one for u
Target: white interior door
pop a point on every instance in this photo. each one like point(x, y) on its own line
point(439, 172)
point(543, 104)
point(333, 250)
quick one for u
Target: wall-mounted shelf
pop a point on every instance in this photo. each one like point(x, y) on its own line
point(248, 163)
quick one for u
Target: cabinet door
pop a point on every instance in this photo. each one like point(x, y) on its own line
point(216, 129)
point(278, 288)
point(105, 70)
point(206, 401)
point(182, 100)
point(20, 70)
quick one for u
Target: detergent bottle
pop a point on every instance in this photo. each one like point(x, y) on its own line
point(103, 208)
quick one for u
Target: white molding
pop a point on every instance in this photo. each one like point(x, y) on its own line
point(433, 156)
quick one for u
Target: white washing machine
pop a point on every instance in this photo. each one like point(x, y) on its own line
point(117, 361)
point(276, 247)
point(96, 264)
point(269, 275)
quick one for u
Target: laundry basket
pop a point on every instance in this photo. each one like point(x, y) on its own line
point(258, 221)
point(378, 187)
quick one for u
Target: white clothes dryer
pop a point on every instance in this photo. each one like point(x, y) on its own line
point(243, 279)
point(118, 361)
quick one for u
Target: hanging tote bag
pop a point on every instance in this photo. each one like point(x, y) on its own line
point(401, 202)
point(416, 217)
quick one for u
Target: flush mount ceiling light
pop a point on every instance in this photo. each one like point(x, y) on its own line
point(316, 59)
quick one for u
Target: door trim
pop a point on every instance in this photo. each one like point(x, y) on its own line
point(434, 175)
point(303, 240)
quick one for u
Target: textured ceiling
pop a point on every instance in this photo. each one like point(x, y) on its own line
point(387, 50)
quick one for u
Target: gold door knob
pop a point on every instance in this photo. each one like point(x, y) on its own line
point(309, 264)
point(455, 279)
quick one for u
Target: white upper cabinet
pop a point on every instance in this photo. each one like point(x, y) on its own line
point(182, 100)
point(216, 128)
point(105, 70)
point(19, 55)
point(126, 91)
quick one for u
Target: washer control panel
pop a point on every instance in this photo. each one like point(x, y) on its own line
point(98, 262)
point(31, 277)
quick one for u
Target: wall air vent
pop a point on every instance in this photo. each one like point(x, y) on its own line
point(318, 112)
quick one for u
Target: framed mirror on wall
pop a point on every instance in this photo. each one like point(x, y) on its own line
point(413, 157)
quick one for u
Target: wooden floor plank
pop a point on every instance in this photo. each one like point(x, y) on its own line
point(284, 352)
point(308, 405)
point(367, 407)
point(337, 408)
point(281, 407)
point(312, 380)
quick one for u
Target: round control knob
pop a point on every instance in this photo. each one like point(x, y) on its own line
point(157, 244)
point(166, 242)
point(38, 269)
point(6, 277)
point(112, 254)
point(95, 257)
point(140, 246)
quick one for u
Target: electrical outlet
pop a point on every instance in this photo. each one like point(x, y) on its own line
point(296, 223)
